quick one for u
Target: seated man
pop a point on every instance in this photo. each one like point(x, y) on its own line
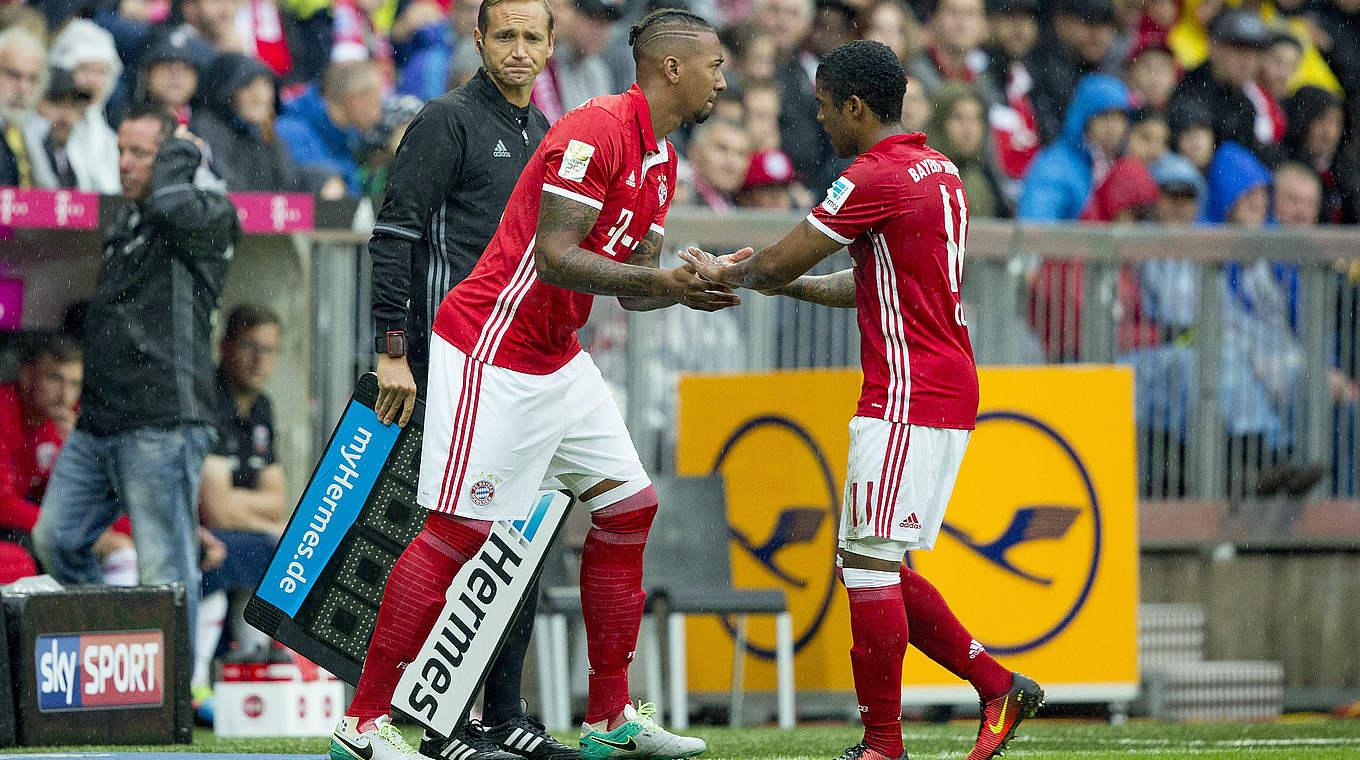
point(242, 497)
point(36, 413)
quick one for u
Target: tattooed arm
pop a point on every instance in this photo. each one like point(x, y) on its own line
point(836, 289)
point(774, 266)
point(559, 260)
point(648, 254)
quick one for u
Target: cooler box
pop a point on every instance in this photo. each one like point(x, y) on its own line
point(100, 665)
point(295, 698)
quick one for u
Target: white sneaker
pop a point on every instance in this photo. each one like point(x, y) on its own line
point(382, 742)
point(639, 737)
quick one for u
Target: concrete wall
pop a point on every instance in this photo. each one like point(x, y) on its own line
point(1301, 608)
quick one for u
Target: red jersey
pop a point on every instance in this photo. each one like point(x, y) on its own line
point(602, 154)
point(902, 210)
point(27, 455)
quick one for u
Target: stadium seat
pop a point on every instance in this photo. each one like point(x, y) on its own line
point(687, 572)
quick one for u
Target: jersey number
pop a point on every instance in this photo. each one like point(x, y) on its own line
point(616, 232)
point(954, 237)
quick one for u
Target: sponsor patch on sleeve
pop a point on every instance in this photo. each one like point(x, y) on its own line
point(575, 160)
point(835, 197)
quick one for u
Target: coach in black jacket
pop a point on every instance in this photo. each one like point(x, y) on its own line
point(147, 408)
point(446, 190)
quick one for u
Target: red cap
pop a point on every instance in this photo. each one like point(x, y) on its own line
point(768, 167)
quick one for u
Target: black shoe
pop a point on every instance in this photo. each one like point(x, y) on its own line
point(469, 742)
point(862, 751)
point(527, 738)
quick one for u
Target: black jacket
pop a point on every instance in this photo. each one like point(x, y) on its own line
point(446, 190)
point(239, 153)
point(1234, 115)
point(1056, 72)
point(148, 354)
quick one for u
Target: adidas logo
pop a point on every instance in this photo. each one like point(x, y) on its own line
point(500, 151)
point(911, 523)
point(632, 179)
point(975, 649)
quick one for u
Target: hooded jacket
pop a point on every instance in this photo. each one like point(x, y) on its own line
point(1059, 182)
point(1340, 185)
point(148, 336)
point(980, 177)
point(1233, 172)
point(93, 146)
point(246, 159)
point(315, 141)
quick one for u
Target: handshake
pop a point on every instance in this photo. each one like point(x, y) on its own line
point(706, 282)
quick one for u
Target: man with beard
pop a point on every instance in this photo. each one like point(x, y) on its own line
point(515, 404)
point(22, 76)
point(447, 188)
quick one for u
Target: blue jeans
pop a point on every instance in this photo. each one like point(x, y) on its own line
point(152, 475)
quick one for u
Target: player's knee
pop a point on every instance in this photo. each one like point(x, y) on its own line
point(858, 578)
point(627, 520)
point(453, 533)
point(885, 550)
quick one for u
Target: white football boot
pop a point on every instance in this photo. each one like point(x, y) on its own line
point(380, 742)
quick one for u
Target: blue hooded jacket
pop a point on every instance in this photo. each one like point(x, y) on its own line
point(1059, 181)
point(315, 141)
point(1234, 171)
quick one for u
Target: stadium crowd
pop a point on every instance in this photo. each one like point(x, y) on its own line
point(1231, 111)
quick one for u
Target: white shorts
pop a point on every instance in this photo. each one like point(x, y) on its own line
point(494, 437)
point(898, 480)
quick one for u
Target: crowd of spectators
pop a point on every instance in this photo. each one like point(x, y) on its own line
point(1036, 102)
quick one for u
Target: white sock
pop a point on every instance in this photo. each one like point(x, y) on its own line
point(212, 614)
point(119, 568)
point(248, 637)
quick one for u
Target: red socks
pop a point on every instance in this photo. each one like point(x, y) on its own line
point(411, 603)
point(612, 598)
point(878, 623)
point(941, 637)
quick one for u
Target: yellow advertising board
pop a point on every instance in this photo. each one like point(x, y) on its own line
point(1038, 555)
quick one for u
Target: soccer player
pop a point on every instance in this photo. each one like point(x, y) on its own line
point(449, 182)
point(515, 404)
point(901, 208)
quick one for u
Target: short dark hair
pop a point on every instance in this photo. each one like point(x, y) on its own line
point(660, 21)
point(867, 69)
point(149, 110)
point(58, 348)
point(248, 316)
point(484, 13)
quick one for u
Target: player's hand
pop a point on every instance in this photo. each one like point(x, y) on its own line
point(710, 267)
point(396, 390)
point(685, 286)
point(214, 552)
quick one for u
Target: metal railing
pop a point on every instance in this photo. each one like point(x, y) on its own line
point(1244, 344)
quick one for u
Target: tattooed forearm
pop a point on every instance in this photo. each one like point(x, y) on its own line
point(559, 260)
point(836, 290)
point(648, 254)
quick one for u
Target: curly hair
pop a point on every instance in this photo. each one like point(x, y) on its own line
point(867, 69)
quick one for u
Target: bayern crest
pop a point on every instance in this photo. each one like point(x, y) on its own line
point(482, 492)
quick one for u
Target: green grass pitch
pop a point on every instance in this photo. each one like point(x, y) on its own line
point(1290, 739)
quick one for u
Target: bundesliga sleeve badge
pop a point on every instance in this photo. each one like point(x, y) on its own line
point(835, 197)
point(575, 160)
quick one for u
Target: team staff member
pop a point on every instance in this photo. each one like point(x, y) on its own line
point(448, 185)
point(148, 403)
point(901, 209)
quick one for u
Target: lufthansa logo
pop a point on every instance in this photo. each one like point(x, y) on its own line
point(798, 551)
point(1026, 529)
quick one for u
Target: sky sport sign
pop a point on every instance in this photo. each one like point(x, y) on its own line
point(78, 672)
